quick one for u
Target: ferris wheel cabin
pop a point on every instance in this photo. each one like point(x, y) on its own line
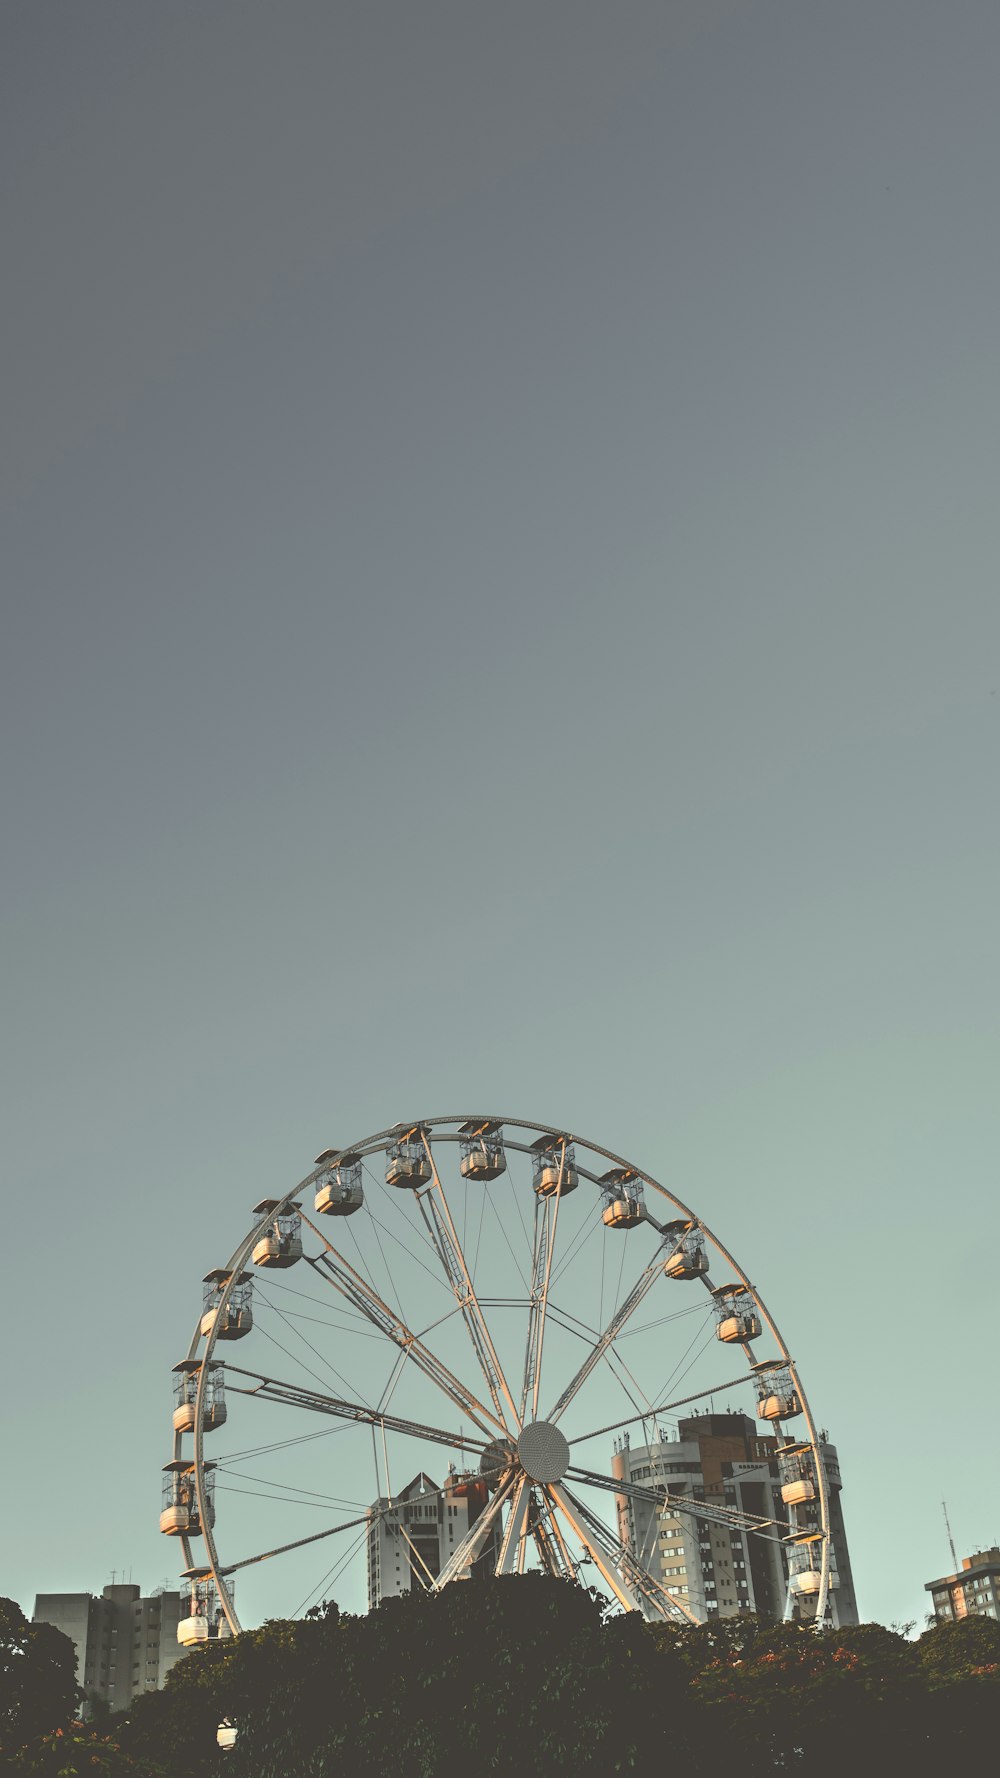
point(737, 1319)
point(797, 1471)
point(281, 1244)
point(206, 1621)
point(340, 1191)
point(777, 1397)
point(689, 1259)
point(553, 1168)
point(186, 1375)
point(179, 1515)
point(237, 1319)
point(481, 1147)
point(623, 1200)
point(806, 1566)
point(408, 1163)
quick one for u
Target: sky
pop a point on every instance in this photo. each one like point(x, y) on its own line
point(500, 610)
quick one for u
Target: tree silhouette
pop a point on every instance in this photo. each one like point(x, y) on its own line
point(38, 1689)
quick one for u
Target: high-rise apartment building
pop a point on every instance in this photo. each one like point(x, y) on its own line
point(412, 1535)
point(973, 1592)
point(125, 1644)
point(720, 1569)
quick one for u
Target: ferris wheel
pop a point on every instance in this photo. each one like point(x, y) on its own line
point(514, 1302)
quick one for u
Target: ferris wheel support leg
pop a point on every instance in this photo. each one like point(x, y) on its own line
point(615, 1580)
point(568, 1565)
point(512, 1548)
point(546, 1554)
point(473, 1541)
point(549, 1538)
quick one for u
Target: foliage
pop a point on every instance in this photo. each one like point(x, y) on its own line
point(960, 1669)
point(519, 1674)
point(966, 1653)
point(772, 1694)
point(531, 1675)
point(79, 1752)
point(38, 1689)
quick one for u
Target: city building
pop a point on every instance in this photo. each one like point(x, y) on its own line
point(412, 1534)
point(720, 1569)
point(973, 1592)
point(125, 1644)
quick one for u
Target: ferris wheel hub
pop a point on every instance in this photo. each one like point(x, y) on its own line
point(543, 1452)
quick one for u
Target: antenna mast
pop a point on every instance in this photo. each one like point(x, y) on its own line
point(951, 1540)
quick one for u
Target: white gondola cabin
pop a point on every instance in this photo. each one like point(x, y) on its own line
point(553, 1168)
point(806, 1566)
point(280, 1244)
point(237, 1319)
point(737, 1320)
point(205, 1621)
point(797, 1469)
point(179, 1516)
point(623, 1200)
point(689, 1259)
point(777, 1397)
point(807, 1581)
point(339, 1191)
point(186, 1376)
point(481, 1147)
point(797, 1493)
point(408, 1163)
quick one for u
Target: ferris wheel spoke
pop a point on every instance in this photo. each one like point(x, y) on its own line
point(660, 1496)
point(416, 1557)
point(576, 1519)
point(433, 1207)
point(626, 1576)
point(636, 1295)
point(681, 1401)
point(512, 1548)
point(549, 1539)
point(272, 1389)
point(636, 1394)
point(340, 1274)
point(474, 1539)
point(543, 1248)
point(282, 1549)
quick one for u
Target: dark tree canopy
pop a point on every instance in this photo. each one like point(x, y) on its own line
point(38, 1689)
point(529, 1675)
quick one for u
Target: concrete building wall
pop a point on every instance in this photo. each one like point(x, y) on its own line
point(717, 1569)
point(71, 1613)
point(125, 1644)
point(412, 1536)
point(973, 1592)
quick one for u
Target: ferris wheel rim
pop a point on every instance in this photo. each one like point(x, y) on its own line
point(447, 1125)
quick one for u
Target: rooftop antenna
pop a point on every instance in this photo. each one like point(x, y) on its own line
point(951, 1540)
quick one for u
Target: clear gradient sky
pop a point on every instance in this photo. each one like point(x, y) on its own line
point(501, 609)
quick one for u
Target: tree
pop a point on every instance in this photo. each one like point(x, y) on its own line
point(960, 1668)
point(770, 1694)
point(523, 1674)
point(38, 1689)
point(79, 1752)
point(533, 1675)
